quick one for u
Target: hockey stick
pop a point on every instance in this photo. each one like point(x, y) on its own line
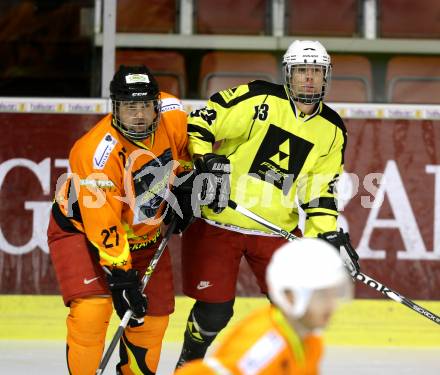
point(367, 280)
point(127, 316)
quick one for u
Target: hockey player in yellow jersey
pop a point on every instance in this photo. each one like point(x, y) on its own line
point(283, 145)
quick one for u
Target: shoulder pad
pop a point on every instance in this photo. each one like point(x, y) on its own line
point(103, 151)
point(230, 97)
point(170, 103)
point(232, 93)
point(332, 116)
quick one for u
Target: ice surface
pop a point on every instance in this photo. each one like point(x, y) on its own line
point(48, 358)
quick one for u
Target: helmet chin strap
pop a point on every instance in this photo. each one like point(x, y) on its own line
point(307, 99)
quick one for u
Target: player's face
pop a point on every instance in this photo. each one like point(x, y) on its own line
point(137, 116)
point(307, 79)
point(321, 308)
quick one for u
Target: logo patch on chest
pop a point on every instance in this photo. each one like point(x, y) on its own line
point(280, 158)
point(103, 151)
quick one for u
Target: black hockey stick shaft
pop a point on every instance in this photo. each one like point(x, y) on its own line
point(127, 316)
point(367, 280)
point(372, 283)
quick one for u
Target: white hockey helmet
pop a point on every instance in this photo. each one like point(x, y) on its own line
point(302, 267)
point(307, 70)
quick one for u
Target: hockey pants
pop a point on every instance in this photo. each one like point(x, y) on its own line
point(87, 325)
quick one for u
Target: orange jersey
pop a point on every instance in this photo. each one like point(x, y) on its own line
point(117, 190)
point(262, 344)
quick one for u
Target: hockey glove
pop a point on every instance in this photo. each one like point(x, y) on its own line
point(179, 205)
point(341, 241)
point(216, 186)
point(125, 287)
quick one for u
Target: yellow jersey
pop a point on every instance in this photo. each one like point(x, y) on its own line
point(277, 154)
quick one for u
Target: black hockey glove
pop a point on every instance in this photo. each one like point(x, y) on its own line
point(179, 204)
point(125, 287)
point(216, 184)
point(341, 241)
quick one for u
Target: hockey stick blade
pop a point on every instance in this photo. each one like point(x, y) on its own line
point(365, 279)
point(127, 316)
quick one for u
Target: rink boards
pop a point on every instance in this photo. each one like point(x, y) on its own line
point(389, 201)
point(365, 322)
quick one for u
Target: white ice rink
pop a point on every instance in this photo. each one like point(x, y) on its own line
point(48, 358)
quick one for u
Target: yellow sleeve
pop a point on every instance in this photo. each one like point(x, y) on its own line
point(317, 191)
point(223, 117)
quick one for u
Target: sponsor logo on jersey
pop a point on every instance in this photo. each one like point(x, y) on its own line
point(101, 184)
point(146, 244)
point(170, 104)
point(204, 284)
point(261, 353)
point(280, 158)
point(103, 151)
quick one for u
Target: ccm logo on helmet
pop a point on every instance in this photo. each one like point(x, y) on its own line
point(139, 94)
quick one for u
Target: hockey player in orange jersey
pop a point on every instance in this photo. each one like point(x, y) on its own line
point(305, 281)
point(107, 217)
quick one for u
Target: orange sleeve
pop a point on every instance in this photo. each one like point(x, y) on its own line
point(177, 130)
point(98, 196)
point(313, 348)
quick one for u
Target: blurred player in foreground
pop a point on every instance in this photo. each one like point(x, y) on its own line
point(306, 279)
point(108, 217)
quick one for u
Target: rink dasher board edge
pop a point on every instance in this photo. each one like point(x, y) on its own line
point(361, 322)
